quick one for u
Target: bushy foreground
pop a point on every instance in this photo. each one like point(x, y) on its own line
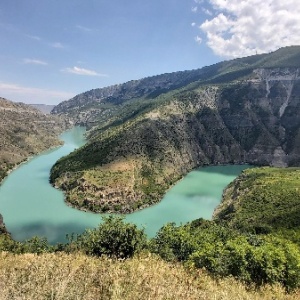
point(77, 276)
point(200, 245)
point(225, 252)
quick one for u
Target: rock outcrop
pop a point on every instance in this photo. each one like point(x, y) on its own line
point(2, 226)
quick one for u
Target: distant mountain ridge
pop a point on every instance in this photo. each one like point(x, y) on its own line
point(88, 106)
point(145, 135)
point(44, 108)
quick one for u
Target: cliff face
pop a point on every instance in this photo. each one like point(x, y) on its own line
point(2, 226)
point(24, 131)
point(232, 114)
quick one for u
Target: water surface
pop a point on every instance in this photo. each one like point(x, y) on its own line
point(31, 206)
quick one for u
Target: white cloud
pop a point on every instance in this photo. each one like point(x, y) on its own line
point(193, 24)
point(206, 11)
point(81, 71)
point(57, 45)
point(34, 62)
point(194, 9)
point(198, 39)
point(246, 27)
point(24, 94)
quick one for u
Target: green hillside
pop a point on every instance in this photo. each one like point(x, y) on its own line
point(263, 200)
point(145, 135)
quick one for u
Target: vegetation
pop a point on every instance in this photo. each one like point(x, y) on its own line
point(223, 252)
point(210, 258)
point(76, 276)
point(263, 200)
point(112, 238)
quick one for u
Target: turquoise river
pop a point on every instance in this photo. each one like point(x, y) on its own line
point(32, 207)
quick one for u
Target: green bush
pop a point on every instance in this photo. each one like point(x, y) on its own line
point(224, 252)
point(113, 238)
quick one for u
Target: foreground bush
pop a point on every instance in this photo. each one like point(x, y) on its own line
point(224, 252)
point(113, 237)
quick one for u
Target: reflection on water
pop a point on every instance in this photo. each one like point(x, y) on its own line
point(31, 206)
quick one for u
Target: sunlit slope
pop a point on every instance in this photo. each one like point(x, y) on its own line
point(24, 131)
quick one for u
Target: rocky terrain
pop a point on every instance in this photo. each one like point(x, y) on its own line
point(2, 226)
point(25, 131)
point(44, 108)
point(145, 135)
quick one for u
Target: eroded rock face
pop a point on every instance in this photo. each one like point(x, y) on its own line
point(2, 226)
point(241, 122)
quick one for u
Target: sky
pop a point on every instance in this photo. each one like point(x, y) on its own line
point(51, 50)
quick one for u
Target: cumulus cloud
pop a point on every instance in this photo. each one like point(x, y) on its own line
point(34, 62)
point(246, 27)
point(81, 71)
point(25, 94)
point(194, 9)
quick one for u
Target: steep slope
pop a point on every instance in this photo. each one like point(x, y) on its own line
point(262, 199)
point(241, 111)
point(2, 226)
point(44, 108)
point(24, 131)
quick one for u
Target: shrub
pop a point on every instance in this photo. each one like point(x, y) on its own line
point(113, 238)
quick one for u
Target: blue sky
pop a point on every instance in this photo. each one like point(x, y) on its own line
point(51, 50)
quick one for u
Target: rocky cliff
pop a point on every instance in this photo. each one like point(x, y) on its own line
point(241, 111)
point(2, 226)
point(25, 131)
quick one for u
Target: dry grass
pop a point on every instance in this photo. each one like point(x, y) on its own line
point(62, 276)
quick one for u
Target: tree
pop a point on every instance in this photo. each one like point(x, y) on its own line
point(113, 238)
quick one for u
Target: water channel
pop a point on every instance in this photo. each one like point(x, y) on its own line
point(32, 207)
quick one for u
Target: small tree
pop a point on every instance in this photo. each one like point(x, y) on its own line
point(114, 238)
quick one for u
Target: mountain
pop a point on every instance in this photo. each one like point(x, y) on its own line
point(25, 131)
point(144, 135)
point(44, 108)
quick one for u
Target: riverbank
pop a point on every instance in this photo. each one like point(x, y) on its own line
point(193, 197)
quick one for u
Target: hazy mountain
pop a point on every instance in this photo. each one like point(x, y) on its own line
point(44, 108)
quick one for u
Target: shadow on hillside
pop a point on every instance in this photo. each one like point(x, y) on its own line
point(229, 170)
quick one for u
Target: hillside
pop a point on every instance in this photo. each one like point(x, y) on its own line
point(262, 200)
point(61, 276)
point(25, 131)
point(44, 108)
point(145, 135)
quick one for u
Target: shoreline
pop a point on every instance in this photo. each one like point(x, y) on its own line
point(131, 210)
point(26, 160)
